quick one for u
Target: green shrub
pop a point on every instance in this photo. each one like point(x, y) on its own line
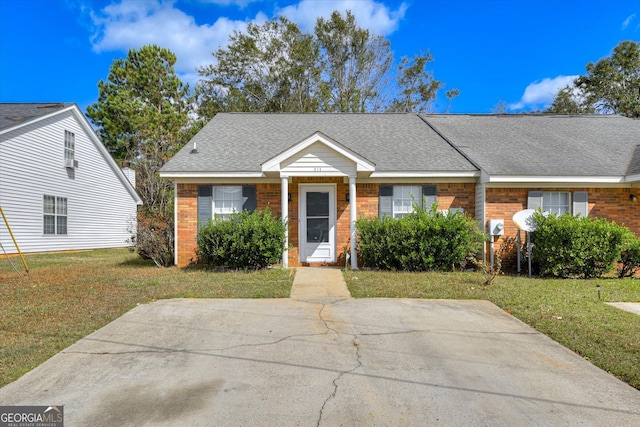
point(421, 241)
point(629, 260)
point(244, 240)
point(569, 246)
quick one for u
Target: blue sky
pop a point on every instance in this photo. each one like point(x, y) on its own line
point(494, 51)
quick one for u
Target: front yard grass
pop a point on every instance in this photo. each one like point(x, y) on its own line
point(69, 295)
point(568, 311)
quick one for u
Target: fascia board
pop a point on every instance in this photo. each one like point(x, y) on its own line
point(179, 175)
point(557, 179)
point(227, 181)
point(426, 174)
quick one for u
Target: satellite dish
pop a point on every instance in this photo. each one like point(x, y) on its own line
point(524, 220)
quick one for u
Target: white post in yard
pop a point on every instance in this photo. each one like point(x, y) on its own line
point(352, 219)
point(284, 203)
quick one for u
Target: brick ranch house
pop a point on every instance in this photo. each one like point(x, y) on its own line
point(324, 171)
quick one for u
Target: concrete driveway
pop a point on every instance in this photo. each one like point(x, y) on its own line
point(286, 362)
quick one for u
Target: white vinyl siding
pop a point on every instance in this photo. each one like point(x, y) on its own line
point(318, 159)
point(103, 210)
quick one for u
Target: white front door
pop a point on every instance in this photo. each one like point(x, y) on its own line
point(317, 223)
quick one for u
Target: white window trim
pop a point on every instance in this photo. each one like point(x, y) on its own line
point(219, 212)
point(57, 201)
point(578, 203)
point(69, 146)
point(545, 202)
point(412, 198)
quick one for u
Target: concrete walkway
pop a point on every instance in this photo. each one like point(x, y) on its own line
point(321, 358)
point(631, 307)
point(320, 285)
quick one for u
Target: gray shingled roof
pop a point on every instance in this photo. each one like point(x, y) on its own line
point(241, 142)
point(523, 145)
point(13, 114)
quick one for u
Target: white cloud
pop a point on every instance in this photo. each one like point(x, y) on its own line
point(133, 24)
point(627, 21)
point(125, 25)
point(540, 94)
point(374, 16)
point(240, 3)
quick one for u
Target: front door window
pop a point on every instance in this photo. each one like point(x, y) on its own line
point(317, 217)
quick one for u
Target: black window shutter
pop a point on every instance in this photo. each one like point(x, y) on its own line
point(581, 203)
point(205, 204)
point(385, 201)
point(250, 202)
point(429, 196)
point(534, 200)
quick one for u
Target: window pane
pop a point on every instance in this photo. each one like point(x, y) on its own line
point(61, 206)
point(556, 202)
point(317, 203)
point(404, 197)
point(49, 205)
point(69, 145)
point(317, 230)
point(49, 225)
point(61, 223)
point(227, 200)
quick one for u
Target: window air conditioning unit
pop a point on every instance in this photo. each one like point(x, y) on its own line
point(70, 163)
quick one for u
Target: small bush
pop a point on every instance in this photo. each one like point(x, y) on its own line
point(245, 240)
point(153, 236)
point(569, 246)
point(629, 261)
point(421, 241)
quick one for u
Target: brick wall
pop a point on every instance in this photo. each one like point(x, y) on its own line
point(610, 203)
point(187, 210)
point(449, 195)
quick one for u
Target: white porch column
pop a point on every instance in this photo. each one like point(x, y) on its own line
point(352, 218)
point(284, 203)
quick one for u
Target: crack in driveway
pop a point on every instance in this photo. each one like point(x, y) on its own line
point(356, 344)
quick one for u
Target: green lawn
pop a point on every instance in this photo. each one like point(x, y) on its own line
point(69, 295)
point(568, 311)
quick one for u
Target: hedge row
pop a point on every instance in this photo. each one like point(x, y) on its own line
point(421, 241)
point(574, 246)
point(245, 240)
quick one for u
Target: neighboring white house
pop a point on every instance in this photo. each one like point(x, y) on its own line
point(60, 189)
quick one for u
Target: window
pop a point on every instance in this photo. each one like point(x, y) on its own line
point(398, 200)
point(55, 215)
point(404, 196)
point(226, 201)
point(221, 201)
point(557, 202)
point(560, 202)
point(69, 147)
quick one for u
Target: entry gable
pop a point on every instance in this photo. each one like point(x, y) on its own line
point(318, 155)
